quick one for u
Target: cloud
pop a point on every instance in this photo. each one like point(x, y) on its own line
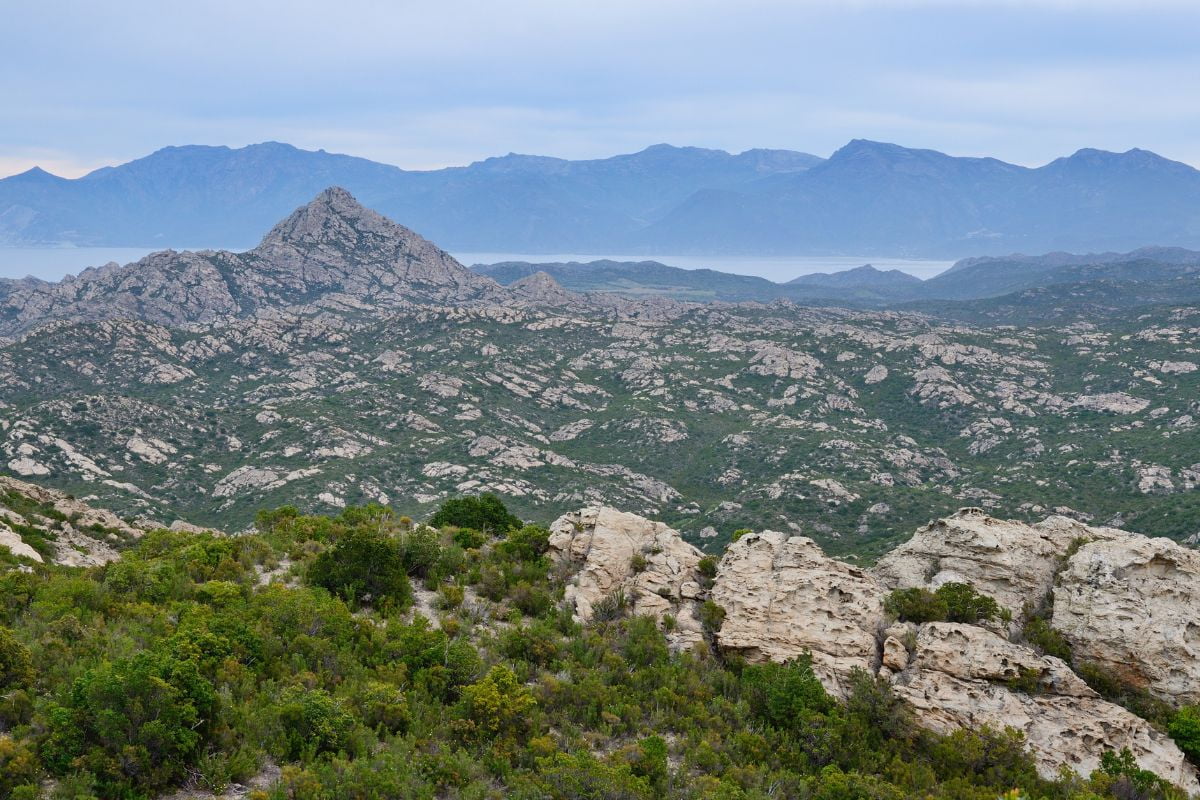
point(427, 84)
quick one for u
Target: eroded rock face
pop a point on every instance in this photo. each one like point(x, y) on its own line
point(959, 677)
point(784, 597)
point(647, 561)
point(69, 524)
point(1132, 605)
point(1013, 562)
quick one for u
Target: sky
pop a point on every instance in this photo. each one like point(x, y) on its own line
point(430, 84)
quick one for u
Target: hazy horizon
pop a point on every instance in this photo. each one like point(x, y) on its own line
point(55, 263)
point(424, 86)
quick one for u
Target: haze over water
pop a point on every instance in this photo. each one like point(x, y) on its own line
point(54, 263)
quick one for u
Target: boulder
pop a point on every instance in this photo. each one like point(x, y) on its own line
point(1132, 605)
point(783, 598)
point(962, 676)
point(647, 561)
point(1013, 562)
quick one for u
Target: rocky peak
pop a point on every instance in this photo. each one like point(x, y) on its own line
point(332, 252)
point(334, 236)
point(540, 287)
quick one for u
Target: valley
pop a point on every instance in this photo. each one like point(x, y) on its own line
point(347, 360)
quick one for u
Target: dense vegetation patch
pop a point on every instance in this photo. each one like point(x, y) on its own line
point(199, 660)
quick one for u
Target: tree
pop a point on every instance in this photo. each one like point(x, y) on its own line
point(135, 724)
point(364, 564)
point(483, 513)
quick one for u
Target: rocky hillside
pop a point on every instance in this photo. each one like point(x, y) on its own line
point(332, 252)
point(1123, 604)
point(347, 360)
point(49, 526)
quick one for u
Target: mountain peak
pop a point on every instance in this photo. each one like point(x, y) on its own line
point(333, 217)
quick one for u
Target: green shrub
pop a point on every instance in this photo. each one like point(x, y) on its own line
point(469, 539)
point(364, 564)
point(421, 550)
point(965, 604)
point(384, 707)
point(19, 768)
point(712, 616)
point(916, 605)
point(527, 543)
point(135, 724)
point(784, 695)
point(1185, 730)
point(16, 665)
point(1037, 631)
point(952, 602)
point(497, 706)
point(483, 513)
point(312, 722)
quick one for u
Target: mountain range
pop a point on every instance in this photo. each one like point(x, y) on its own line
point(1113, 280)
point(867, 198)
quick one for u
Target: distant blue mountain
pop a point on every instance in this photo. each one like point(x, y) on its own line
point(198, 195)
point(869, 198)
point(878, 198)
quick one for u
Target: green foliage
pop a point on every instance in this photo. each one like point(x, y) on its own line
point(1037, 631)
point(711, 616)
point(1134, 698)
point(527, 543)
point(364, 565)
point(952, 602)
point(176, 665)
point(133, 723)
point(483, 513)
point(312, 723)
point(469, 539)
point(583, 777)
point(1130, 780)
point(1185, 730)
point(497, 706)
point(916, 605)
point(965, 604)
point(19, 769)
point(785, 695)
point(16, 665)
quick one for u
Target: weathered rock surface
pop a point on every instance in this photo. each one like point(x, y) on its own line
point(958, 677)
point(1132, 605)
point(1011, 561)
point(783, 598)
point(1124, 601)
point(71, 526)
point(620, 552)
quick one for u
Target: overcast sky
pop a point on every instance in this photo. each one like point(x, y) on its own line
point(429, 84)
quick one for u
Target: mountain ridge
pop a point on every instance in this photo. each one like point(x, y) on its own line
point(869, 197)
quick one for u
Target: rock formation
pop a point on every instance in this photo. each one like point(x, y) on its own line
point(1012, 562)
point(1132, 605)
point(784, 598)
point(1126, 602)
point(646, 561)
point(962, 676)
point(332, 251)
point(79, 535)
